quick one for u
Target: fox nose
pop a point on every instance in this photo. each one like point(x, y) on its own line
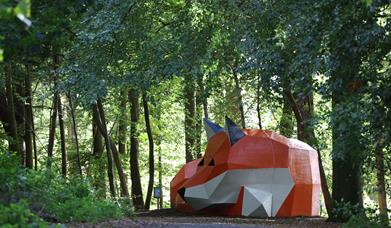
point(181, 192)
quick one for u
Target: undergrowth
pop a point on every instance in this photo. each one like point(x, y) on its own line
point(38, 197)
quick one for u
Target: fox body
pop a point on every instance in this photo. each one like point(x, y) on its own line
point(252, 173)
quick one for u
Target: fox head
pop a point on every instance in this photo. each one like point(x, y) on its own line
point(249, 173)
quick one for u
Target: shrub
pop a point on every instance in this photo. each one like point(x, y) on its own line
point(19, 215)
point(361, 221)
point(343, 211)
point(85, 209)
point(51, 196)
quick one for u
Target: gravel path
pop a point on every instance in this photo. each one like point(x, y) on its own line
point(170, 218)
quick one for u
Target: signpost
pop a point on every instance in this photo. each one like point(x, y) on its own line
point(157, 193)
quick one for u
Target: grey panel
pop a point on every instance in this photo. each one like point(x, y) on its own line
point(211, 128)
point(259, 212)
point(234, 132)
point(269, 187)
point(256, 203)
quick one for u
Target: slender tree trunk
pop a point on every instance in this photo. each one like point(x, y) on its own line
point(204, 97)
point(114, 151)
point(159, 149)
point(13, 142)
point(381, 186)
point(53, 117)
point(103, 128)
point(151, 151)
point(20, 113)
point(259, 114)
point(137, 193)
point(52, 129)
point(158, 143)
point(97, 134)
point(122, 123)
point(34, 144)
point(28, 120)
point(34, 139)
point(99, 177)
point(189, 93)
point(198, 124)
point(62, 136)
point(240, 98)
point(313, 142)
point(120, 170)
point(72, 109)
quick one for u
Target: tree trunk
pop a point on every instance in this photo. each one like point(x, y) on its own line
point(62, 136)
point(189, 92)
point(381, 186)
point(204, 97)
point(74, 126)
point(158, 143)
point(120, 170)
point(13, 142)
point(286, 121)
point(52, 129)
point(103, 128)
point(34, 142)
point(99, 177)
point(122, 123)
point(240, 98)
point(28, 119)
point(34, 138)
point(259, 114)
point(151, 151)
point(159, 149)
point(311, 140)
point(97, 135)
point(137, 193)
point(346, 157)
point(198, 124)
point(53, 117)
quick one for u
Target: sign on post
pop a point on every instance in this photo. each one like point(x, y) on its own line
point(157, 193)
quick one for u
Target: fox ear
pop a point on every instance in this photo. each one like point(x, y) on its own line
point(234, 132)
point(211, 128)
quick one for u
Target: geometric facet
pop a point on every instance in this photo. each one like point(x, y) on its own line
point(211, 128)
point(234, 132)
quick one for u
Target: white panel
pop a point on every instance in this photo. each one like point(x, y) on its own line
point(225, 189)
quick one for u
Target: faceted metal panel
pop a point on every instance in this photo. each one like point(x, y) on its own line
point(253, 173)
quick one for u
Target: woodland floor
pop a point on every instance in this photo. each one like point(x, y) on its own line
point(171, 218)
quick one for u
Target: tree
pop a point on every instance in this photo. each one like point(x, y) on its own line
point(137, 194)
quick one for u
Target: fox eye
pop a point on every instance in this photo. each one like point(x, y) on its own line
point(201, 162)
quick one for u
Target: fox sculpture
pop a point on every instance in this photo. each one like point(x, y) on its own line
point(253, 173)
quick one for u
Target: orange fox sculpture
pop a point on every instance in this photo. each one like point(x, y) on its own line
point(253, 173)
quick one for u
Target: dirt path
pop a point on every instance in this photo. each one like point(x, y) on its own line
point(170, 218)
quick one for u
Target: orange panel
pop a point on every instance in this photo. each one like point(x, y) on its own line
point(257, 153)
point(286, 208)
point(217, 144)
point(300, 166)
point(302, 200)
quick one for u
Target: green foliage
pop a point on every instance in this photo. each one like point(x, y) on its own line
point(85, 209)
point(19, 215)
point(342, 211)
point(361, 221)
point(51, 196)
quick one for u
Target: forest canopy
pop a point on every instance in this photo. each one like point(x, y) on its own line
point(103, 100)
